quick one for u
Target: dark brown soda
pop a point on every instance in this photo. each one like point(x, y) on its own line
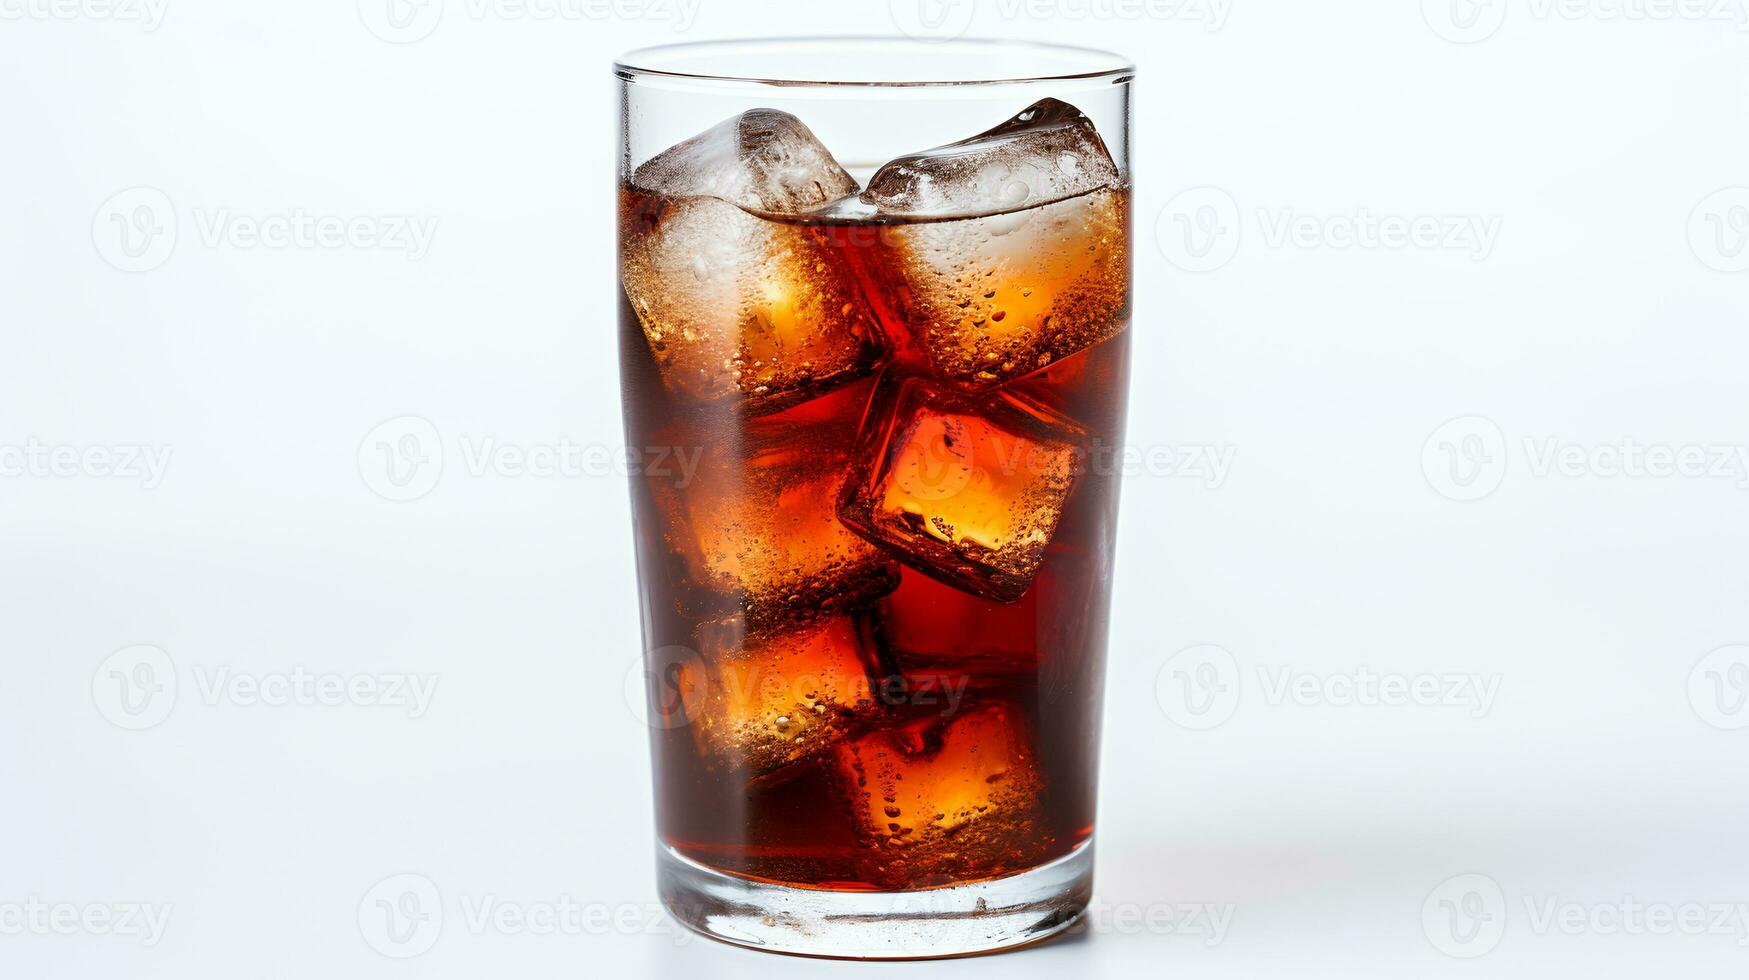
point(950, 676)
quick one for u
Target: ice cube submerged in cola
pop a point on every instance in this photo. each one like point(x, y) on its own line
point(875, 527)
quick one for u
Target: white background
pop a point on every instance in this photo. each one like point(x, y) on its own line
point(1608, 307)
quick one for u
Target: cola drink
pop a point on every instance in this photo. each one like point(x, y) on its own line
point(875, 566)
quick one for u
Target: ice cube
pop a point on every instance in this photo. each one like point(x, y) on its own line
point(1037, 265)
point(1050, 151)
point(762, 701)
point(754, 526)
point(762, 160)
point(968, 489)
point(938, 799)
point(734, 304)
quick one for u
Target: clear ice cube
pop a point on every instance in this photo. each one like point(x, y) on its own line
point(937, 797)
point(735, 305)
point(762, 160)
point(1048, 152)
point(1036, 266)
point(754, 526)
point(969, 489)
point(761, 701)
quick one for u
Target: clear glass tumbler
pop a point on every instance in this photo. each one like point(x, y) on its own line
point(874, 326)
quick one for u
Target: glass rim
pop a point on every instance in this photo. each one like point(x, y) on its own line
point(646, 62)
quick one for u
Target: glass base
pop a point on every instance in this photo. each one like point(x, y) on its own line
point(955, 921)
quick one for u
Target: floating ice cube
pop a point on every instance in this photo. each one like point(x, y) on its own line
point(968, 489)
point(762, 160)
point(762, 701)
point(755, 528)
point(735, 305)
point(938, 798)
point(1036, 266)
point(1048, 152)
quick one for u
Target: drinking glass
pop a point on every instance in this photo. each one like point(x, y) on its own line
point(874, 310)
